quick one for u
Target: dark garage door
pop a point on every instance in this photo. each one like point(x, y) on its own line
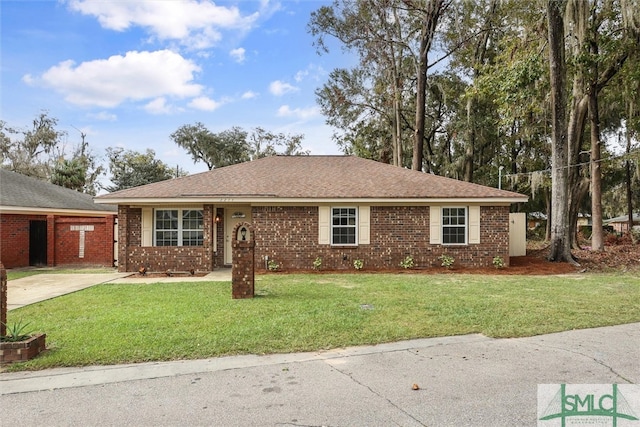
point(37, 242)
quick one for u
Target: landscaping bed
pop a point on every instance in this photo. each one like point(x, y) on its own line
point(165, 274)
point(615, 257)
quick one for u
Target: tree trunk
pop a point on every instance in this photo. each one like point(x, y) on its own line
point(628, 179)
point(547, 234)
point(578, 191)
point(396, 132)
point(467, 169)
point(575, 181)
point(597, 238)
point(479, 59)
point(560, 245)
point(431, 16)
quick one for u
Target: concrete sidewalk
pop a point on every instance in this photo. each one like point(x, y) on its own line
point(40, 287)
point(467, 380)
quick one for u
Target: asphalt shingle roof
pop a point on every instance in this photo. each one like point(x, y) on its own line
point(22, 191)
point(313, 177)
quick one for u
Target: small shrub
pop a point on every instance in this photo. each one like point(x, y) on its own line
point(358, 264)
point(447, 260)
point(16, 332)
point(407, 262)
point(498, 262)
point(317, 263)
point(272, 265)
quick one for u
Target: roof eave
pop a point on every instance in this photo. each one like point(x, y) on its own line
point(27, 210)
point(230, 200)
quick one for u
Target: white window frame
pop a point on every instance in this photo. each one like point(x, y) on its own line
point(180, 230)
point(354, 226)
point(466, 225)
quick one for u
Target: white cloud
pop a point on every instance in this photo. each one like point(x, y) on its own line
point(238, 55)
point(300, 75)
point(104, 116)
point(249, 95)
point(158, 106)
point(195, 23)
point(300, 113)
point(279, 88)
point(136, 76)
point(29, 79)
point(312, 71)
point(204, 103)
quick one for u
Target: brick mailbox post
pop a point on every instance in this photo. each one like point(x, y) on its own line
point(243, 271)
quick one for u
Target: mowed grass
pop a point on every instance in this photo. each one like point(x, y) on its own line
point(126, 323)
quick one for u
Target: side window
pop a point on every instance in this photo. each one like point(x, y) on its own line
point(344, 226)
point(454, 226)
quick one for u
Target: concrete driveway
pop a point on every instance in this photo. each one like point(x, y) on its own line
point(40, 287)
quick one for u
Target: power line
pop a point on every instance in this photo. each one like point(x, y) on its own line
point(628, 156)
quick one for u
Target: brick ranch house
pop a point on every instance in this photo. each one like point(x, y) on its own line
point(338, 208)
point(42, 224)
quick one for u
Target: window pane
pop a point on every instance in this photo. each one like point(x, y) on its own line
point(192, 220)
point(192, 238)
point(453, 235)
point(166, 220)
point(166, 238)
point(344, 236)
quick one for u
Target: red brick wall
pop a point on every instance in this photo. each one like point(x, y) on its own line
point(289, 236)
point(14, 239)
point(98, 244)
point(132, 255)
point(62, 243)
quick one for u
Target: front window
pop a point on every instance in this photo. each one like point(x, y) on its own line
point(454, 226)
point(344, 226)
point(178, 227)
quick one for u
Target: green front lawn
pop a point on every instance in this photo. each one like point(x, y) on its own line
point(110, 324)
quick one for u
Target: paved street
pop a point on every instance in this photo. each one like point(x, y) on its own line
point(467, 380)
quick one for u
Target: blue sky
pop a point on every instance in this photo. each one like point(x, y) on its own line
point(129, 73)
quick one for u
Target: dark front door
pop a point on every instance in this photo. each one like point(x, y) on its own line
point(37, 242)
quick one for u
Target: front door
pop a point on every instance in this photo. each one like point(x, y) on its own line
point(233, 216)
point(37, 242)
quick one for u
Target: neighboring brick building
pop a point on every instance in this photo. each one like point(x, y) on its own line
point(42, 224)
point(336, 208)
